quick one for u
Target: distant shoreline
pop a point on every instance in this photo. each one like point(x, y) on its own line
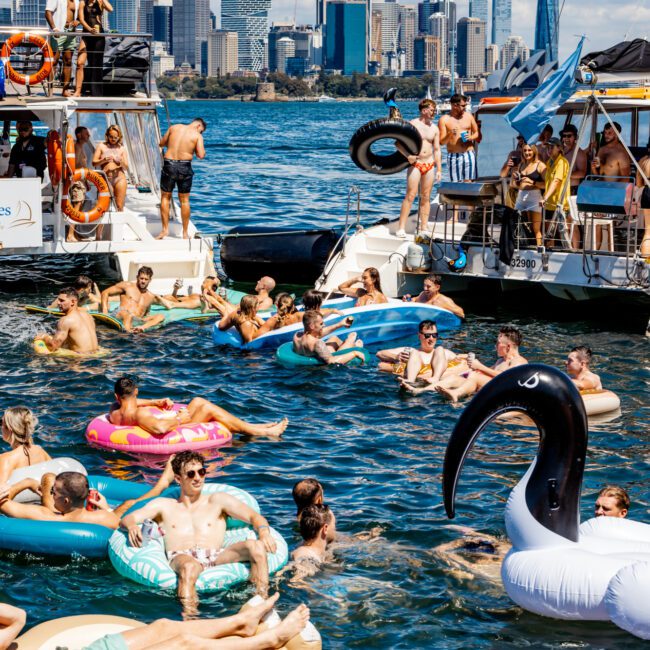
point(291, 100)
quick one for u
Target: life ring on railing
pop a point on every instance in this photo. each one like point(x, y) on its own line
point(103, 196)
point(384, 129)
point(55, 157)
point(500, 100)
point(21, 39)
point(70, 155)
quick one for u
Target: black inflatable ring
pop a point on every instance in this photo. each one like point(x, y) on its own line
point(385, 129)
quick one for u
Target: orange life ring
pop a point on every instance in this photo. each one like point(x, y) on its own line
point(103, 196)
point(70, 155)
point(34, 39)
point(500, 100)
point(55, 157)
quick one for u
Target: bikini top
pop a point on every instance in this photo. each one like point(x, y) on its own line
point(534, 176)
point(115, 154)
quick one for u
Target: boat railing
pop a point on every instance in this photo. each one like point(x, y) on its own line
point(125, 61)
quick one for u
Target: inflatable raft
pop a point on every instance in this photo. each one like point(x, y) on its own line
point(40, 348)
point(372, 324)
point(287, 357)
point(599, 402)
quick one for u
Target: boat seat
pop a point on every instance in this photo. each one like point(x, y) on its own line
point(588, 219)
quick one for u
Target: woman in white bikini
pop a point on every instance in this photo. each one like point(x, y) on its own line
point(111, 157)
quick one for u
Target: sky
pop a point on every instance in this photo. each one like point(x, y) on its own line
point(605, 22)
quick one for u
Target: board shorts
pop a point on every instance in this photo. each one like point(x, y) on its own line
point(461, 166)
point(108, 642)
point(176, 172)
point(63, 43)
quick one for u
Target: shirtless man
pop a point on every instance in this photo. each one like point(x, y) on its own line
point(577, 367)
point(75, 330)
point(306, 492)
point(129, 411)
point(317, 529)
point(263, 288)
point(135, 302)
point(431, 296)
point(507, 346)
point(65, 497)
point(89, 296)
point(208, 293)
point(62, 16)
point(310, 342)
point(194, 527)
point(458, 131)
point(421, 173)
point(612, 501)
point(569, 137)
point(612, 162)
point(182, 141)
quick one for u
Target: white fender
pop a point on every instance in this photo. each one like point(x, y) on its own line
point(55, 466)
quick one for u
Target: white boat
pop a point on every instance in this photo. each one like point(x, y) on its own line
point(326, 98)
point(615, 270)
point(31, 218)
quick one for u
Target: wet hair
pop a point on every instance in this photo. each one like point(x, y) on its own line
point(426, 102)
point(584, 353)
point(248, 306)
point(312, 299)
point(201, 121)
point(512, 334)
point(310, 317)
point(145, 270)
point(71, 292)
point(305, 493)
point(374, 276)
point(618, 493)
point(113, 127)
point(79, 130)
point(435, 278)
point(185, 457)
point(286, 306)
point(21, 423)
point(457, 98)
point(83, 282)
point(74, 486)
point(125, 386)
point(426, 324)
point(312, 520)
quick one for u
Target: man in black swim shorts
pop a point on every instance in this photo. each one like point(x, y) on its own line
point(182, 142)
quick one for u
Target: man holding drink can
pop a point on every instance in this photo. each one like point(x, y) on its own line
point(459, 132)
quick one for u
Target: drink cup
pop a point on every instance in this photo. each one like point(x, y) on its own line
point(471, 356)
point(464, 135)
point(147, 531)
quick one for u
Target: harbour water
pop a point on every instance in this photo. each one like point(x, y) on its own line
point(377, 451)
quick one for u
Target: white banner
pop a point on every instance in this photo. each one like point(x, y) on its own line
point(21, 219)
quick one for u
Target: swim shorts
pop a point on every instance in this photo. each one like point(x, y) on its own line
point(206, 557)
point(461, 166)
point(108, 642)
point(176, 172)
point(63, 43)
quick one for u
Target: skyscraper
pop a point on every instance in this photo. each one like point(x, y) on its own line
point(190, 37)
point(250, 19)
point(390, 14)
point(162, 23)
point(29, 12)
point(448, 8)
point(547, 28)
point(513, 47)
point(501, 20)
point(471, 47)
point(124, 17)
point(286, 49)
point(408, 18)
point(346, 36)
point(426, 52)
point(491, 57)
point(438, 27)
point(302, 37)
point(222, 52)
point(479, 9)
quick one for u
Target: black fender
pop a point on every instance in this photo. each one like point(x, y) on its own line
point(384, 129)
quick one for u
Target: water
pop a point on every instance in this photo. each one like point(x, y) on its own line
point(378, 452)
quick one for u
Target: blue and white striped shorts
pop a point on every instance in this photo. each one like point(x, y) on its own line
point(461, 166)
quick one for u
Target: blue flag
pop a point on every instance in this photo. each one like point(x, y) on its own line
point(531, 115)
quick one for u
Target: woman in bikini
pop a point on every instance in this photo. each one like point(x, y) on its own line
point(287, 314)
point(370, 294)
point(112, 158)
point(528, 178)
point(245, 320)
point(18, 424)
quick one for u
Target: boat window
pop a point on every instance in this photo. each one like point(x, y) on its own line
point(644, 128)
point(624, 119)
point(140, 151)
point(96, 123)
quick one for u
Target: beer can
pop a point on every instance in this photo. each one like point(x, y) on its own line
point(148, 529)
point(92, 494)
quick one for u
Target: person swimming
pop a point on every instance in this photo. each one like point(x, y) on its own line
point(370, 293)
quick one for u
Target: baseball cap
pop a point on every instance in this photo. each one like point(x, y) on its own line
point(554, 141)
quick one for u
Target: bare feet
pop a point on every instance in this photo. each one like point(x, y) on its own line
point(448, 393)
point(292, 625)
point(278, 428)
point(185, 234)
point(71, 238)
point(163, 234)
point(414, 390)
point(252, 616)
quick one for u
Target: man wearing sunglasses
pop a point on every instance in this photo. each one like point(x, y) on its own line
point(27, 154)
point(194, 526)
point(66, 497)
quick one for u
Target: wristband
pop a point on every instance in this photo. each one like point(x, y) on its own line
point(262, 526)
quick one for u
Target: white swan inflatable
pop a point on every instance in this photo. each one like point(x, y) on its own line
point(599, 571)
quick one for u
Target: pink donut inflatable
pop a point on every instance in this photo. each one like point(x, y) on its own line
point(203, 435)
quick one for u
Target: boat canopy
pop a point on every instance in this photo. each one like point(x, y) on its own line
point(628, 56)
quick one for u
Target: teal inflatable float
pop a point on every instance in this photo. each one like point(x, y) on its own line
point(286, 356)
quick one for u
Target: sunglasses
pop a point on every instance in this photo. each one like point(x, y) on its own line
point(193, 472)
point(24, 129)
point(429, 335)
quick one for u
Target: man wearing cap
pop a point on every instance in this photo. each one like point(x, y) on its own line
point(569, 137)
point(556, 190)
point(28, 154)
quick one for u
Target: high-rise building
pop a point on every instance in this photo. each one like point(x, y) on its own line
point(320, 12)
point(439, 27)
point(29, 12)
point(161, 60)
point(448, 8)
point(302, 36)
point(427, 53)
point(390, 24)
point(346, 36)
point(162, 23)
point(471, 47)
point(124, 17)
point(222, 53)
point(191, 26)
point(479, 9)
point(375, 40)
point(547, 28)
point(491, 57)
point(408, 18)
point(501, 20)
point(250, 19)
point(145, 16)
point(285, 49)
point(513, 47)
point(425, 9)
